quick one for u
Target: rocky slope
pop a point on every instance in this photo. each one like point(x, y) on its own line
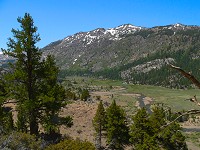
point(4, 59)
point(126, 49)
point(86, 49)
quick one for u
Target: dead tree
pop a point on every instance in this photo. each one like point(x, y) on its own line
point(189, 76)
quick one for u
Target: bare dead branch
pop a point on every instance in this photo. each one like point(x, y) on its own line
point(189, 112)
point(10, 102)
point(187, 75)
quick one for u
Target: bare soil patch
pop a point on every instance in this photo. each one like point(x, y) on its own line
point(82, 114)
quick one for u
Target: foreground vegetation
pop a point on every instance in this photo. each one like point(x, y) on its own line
point(145, 132)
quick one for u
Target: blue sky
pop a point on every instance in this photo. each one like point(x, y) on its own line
point(57, 19)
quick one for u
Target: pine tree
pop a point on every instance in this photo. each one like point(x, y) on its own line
point(99, 123)
point(141, 132)
point(33, 79)
point(169, 137)
point(85, 94)
point(157, 118)
point(25, 75)
point(51, 96)
point(172, 138)
point(6, 120)
point(22, 120)
point(146, 133)
point(116, 127)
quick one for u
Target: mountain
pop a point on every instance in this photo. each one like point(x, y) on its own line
point(83, 48)
point(135, 54)
point(4, 59)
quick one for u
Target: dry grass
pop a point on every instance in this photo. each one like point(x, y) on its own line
point(82, 114)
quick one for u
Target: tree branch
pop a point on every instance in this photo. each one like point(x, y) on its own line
point(10, 102)
point(187, 75)
point(189, 112)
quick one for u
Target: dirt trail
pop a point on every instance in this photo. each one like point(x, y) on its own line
point(191, 146)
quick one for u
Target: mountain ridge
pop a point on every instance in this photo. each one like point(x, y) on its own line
point(140, 27)
point(131, 53)
point(124, 51)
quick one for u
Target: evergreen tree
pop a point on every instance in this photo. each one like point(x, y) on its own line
point(116, 127)
point(51, 97)
point(2, 89)
point(141, 132)
point(99, 123)
point(26, 71)
point(156, 119)
point(33, 80)
point(146, 133)
point(70, 144)
point(20, 141)
point(170, 137)
point(22, 120)
point(85, 94)
point(6, 120)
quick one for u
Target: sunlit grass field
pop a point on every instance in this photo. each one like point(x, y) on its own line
point(175, 98)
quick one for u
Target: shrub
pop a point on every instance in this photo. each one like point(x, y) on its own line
point(19, 141)
point(72, 145)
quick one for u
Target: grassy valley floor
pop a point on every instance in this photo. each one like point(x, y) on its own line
point(127, 96)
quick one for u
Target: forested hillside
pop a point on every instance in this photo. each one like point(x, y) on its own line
point(129, 53)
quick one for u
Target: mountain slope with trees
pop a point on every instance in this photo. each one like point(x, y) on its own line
point(130, 53)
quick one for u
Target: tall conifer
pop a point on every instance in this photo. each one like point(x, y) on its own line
point(116, 126)
point(33, 79)
point(99, 123)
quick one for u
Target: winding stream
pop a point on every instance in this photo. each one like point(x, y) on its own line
point(141, 99)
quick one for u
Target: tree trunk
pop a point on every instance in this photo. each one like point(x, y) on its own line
point(100, 136)
point(33, 124)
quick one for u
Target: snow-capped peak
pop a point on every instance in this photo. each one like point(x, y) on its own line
point(98, 34)
point(121, 30)
point(178, 25)
point(125, 26)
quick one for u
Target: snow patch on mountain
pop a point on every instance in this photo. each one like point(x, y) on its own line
point(121, 30)
point(178, 25)
point(111, 31)
point(74, 61)
point(100, 33)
